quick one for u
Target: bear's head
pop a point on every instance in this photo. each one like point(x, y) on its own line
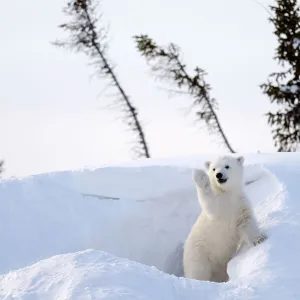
point(226, 173)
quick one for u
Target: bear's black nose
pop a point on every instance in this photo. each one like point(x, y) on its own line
point(219, 175)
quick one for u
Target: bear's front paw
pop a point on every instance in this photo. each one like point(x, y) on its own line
point(258, 240)
point(201, 178)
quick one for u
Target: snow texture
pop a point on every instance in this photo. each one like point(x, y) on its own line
point(289, 88)
point(296, 43)
point(59, 240)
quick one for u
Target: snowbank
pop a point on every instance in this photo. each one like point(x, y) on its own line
point(96, 275)
point(151, 213)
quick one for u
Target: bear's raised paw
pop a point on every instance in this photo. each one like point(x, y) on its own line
point(201, 178)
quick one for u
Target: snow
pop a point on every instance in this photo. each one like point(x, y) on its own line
point(289, 88)
point(296, 43)
point(59, 240)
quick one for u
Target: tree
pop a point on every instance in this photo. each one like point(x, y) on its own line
point(88, 37)
point(167, 64)
point(283, 88)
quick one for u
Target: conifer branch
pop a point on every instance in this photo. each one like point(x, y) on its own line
point(86, 36)
point(167, 64)
point(283, 88)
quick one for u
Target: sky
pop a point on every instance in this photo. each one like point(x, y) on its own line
point(55, 116)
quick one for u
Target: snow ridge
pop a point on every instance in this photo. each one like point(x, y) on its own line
point(133, 242)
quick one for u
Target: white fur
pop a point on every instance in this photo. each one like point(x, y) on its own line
point(226, 221)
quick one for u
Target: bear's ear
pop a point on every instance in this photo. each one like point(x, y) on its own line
point(207, 164)
point(240, 160)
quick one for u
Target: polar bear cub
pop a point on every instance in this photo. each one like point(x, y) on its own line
point(226, 221)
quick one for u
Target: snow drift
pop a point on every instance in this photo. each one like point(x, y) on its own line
point(49, 221)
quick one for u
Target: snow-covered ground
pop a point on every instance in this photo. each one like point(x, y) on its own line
point(61, 240)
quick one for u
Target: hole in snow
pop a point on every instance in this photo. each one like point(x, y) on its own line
point(47, 215)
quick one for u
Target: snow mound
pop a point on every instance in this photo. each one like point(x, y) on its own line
point(50, 220)
point(95, 275)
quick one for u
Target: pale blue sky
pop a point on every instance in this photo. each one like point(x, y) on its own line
point(52, 117)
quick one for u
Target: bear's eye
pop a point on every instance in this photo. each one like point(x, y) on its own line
point(226, 167)
point(214, 169)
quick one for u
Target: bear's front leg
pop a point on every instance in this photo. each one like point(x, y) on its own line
point(248, 228)
point(208, 201)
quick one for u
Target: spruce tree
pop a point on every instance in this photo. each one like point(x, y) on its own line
point(283, 88)
point(88, 36)
point(167, 64)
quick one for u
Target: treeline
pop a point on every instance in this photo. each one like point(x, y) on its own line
point(87, 35)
